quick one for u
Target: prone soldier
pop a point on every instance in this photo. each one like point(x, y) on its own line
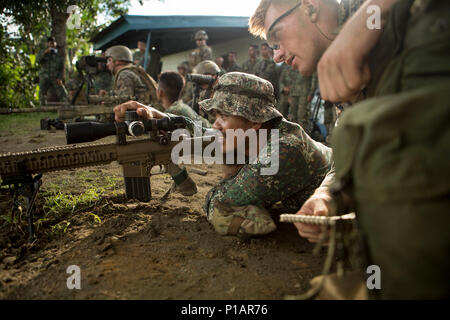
point(238, 205)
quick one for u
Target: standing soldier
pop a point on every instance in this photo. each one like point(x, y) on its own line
point(51, 72)
point(266, 68)
point(203, 52)
point(139, 56)
point(249, 65)
point(130, 80)
point(300, 91)
point(287, 79)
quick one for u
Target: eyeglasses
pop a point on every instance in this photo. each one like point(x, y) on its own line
point(271, 39)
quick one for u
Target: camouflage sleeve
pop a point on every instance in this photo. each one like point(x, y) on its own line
point(249, 187)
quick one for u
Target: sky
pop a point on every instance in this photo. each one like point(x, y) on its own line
point(194, 7)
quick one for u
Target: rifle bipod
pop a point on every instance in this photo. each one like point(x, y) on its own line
point(28, 187)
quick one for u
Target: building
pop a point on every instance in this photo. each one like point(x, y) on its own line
point(170, 39)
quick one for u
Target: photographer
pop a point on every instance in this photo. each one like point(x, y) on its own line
point(51, 72)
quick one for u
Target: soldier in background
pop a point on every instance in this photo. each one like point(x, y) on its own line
point(219, 61)
point(139, 56)
point(266, 68)
point(249, 65)
point(298, 100)
point(51, 72)
point(203, 52)
point(186, 92)
point(130, 80)
point(103, 79)
point(232, 64)
point(287, 79)
point(170, 85)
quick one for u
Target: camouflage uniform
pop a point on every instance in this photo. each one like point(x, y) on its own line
point(140, 57)
point(234, 68)
point(103, 81)
point(128, 82)
point(238, 205)
point(392, 153)
point(200, 54)
point(179, 108)
point(300, 91)
point(249, 66)
point(287, 79)
point(267, 69)
point(51, 69)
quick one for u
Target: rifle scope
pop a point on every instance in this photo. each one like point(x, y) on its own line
point(133, 125)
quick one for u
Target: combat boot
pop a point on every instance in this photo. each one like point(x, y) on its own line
point(186, 188)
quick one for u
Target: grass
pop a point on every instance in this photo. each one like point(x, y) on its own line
point(20, 123)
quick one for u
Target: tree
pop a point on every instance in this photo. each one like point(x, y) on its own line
point(36, 20)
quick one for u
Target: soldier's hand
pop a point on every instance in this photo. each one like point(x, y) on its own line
point(142, 110)
point(343, 69)
point(316, 205)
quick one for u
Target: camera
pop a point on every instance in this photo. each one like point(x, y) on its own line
point(89, 64)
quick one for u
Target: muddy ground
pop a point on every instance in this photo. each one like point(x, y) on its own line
point(164, 249)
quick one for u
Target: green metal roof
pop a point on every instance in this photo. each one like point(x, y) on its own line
point(170, 34)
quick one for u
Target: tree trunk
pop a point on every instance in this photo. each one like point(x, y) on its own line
point(59, 19)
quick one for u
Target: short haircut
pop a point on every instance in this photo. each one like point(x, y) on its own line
point(142, 40)
point(257, 20)
point(265, 44)
point(254, 46)
point(50, 39)
point(171, 83)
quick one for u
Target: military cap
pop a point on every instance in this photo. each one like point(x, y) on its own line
point(245, 95)
point(201, 35)
point(121, 53)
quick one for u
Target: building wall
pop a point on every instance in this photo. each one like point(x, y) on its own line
point(170, 62)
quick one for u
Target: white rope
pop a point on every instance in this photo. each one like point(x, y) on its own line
point(322, 220)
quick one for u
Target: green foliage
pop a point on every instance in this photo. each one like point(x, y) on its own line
point(19, 123)
point(33, 22)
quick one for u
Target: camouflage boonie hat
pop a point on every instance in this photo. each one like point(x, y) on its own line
point(245, 95)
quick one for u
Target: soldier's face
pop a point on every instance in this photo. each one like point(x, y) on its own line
point(110, 64)
point(141, 45)
point(266, 52)
point(300, 44)
point(226, 122)
point(51, 44)
point(251, 52)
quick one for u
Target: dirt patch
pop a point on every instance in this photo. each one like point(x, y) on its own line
point(164, 249)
